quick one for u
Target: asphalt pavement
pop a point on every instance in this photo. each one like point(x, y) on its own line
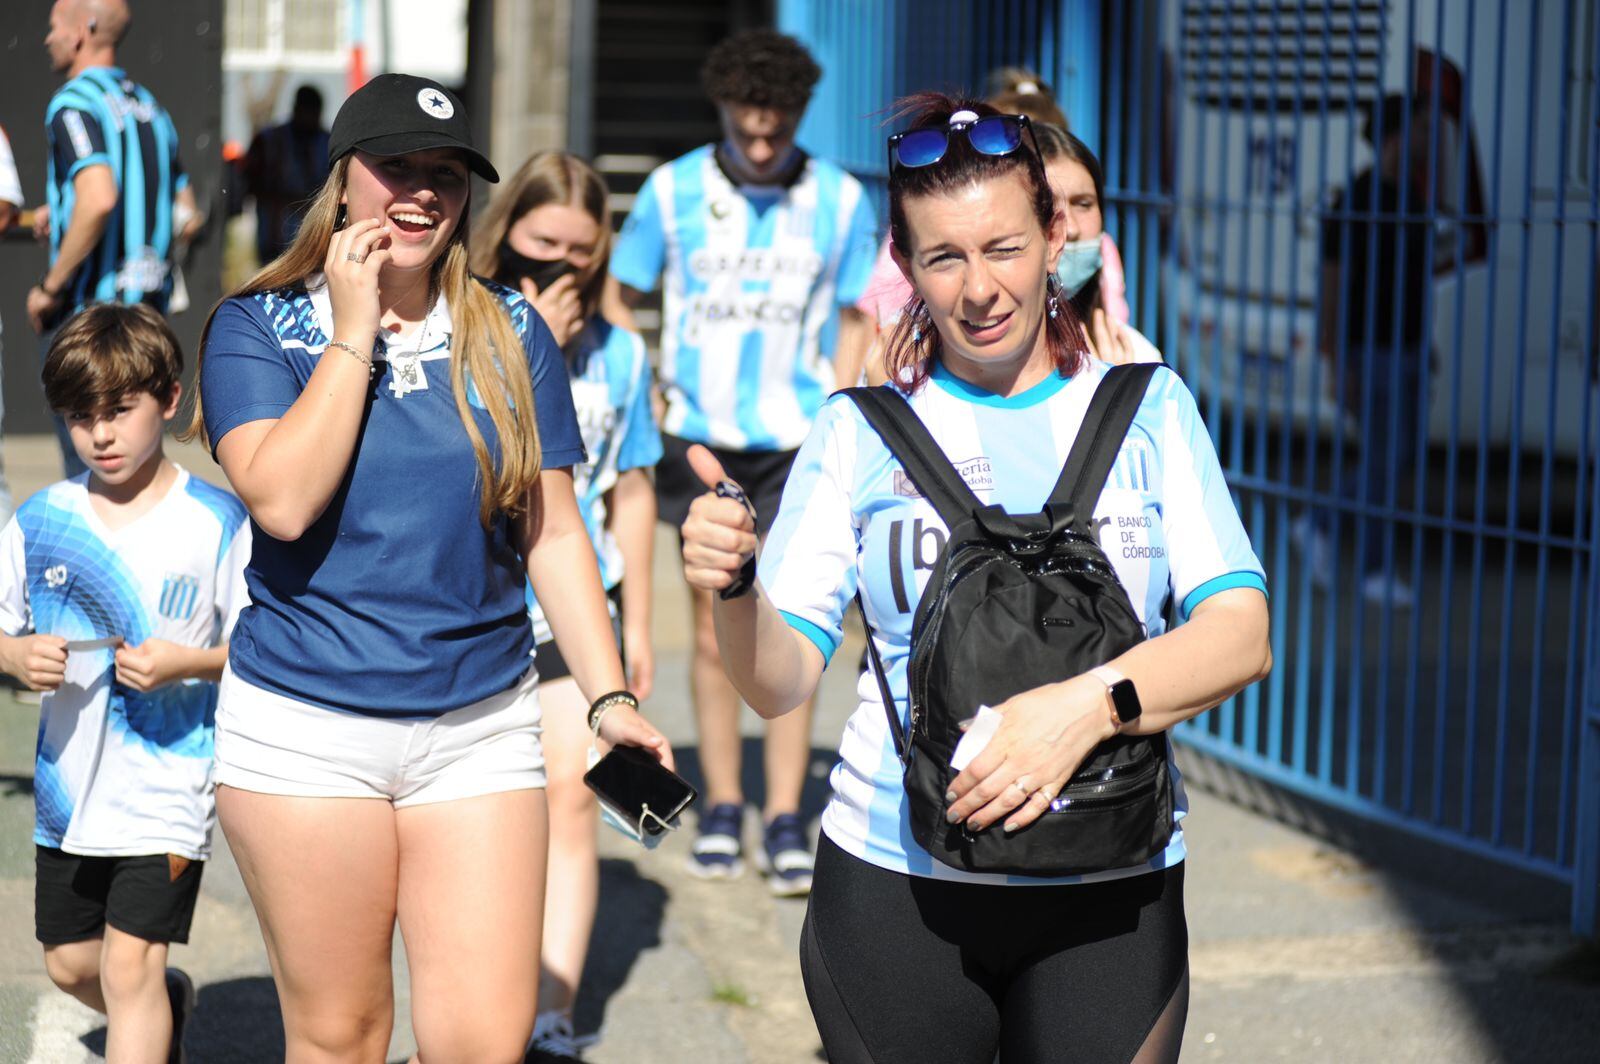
point(1300, 950)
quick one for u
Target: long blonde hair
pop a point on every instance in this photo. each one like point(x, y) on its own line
point(486, 349)
point(548, 177)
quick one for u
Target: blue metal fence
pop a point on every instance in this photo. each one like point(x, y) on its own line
point(1423, 491)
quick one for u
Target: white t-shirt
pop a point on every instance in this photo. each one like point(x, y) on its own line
point(851, 518)
point(119, 772)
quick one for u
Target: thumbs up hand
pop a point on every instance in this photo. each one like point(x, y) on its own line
point(720, 534)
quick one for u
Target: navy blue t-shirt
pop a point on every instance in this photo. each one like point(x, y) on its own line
point(396, 601)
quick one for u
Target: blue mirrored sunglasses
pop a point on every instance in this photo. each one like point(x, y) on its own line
point(991, 135)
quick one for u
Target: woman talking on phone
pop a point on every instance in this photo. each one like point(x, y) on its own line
point(403, 437)
point(957, 911)
point(548, 235)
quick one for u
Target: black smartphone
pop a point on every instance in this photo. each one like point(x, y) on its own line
point(639, 789)
point(340, 216)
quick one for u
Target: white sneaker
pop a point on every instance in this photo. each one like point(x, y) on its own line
point(1395, 592)
point(553, 1039)
point(1316, 549)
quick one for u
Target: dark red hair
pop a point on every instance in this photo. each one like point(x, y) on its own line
point(915, 343)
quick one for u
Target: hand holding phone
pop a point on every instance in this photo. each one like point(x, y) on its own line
point(638, 795)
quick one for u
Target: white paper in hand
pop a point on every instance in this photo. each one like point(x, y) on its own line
point(984, 725)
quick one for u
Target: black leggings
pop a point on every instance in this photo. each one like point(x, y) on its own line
point(906, 968)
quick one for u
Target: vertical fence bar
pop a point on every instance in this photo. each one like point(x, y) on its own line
point(1576, 681)
point(1514, 448)
point(1546, 472)
point(1444, 674)
point(1487, 398)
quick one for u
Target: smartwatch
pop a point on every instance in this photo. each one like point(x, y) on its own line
point(1125, 707)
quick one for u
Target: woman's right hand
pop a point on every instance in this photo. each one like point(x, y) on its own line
point(558, 305)
point(354, 261)
point(719, 534)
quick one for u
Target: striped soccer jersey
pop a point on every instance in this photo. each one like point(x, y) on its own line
point(610, 372)
point(850, 517)
point(755, 278)
point(119, 772)
point(102, 117)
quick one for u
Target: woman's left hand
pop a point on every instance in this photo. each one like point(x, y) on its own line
point(624, 726)
point(1111, 340)
point(1044, 736)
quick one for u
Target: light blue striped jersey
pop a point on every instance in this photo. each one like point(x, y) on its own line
point(104, 118)
point(850, 517)
point(610, 372)
point(117, 772)
point(755, 279)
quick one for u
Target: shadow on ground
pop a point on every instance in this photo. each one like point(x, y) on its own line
point(752, 778)
point(236, 1021)
point(627, 924)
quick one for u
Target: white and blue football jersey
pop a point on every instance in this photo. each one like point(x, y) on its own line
point(851, 518)
point(755, 278)
point(610, 372)
point(120, 772)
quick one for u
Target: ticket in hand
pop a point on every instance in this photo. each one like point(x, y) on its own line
point(982, 729)
point(80, 645)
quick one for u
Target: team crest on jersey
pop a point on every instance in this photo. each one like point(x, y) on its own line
point(435, 103)
point(55, 576)
point(179, 594)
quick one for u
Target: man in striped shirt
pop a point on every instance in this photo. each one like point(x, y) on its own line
point(115, 188)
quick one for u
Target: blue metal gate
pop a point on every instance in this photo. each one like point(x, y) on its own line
point(1366, 232)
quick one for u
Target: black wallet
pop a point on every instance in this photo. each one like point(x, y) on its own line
point(638, 791)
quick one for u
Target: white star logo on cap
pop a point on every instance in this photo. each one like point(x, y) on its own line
point(435, 103)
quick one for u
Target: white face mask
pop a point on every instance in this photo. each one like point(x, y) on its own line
point(1079, 261)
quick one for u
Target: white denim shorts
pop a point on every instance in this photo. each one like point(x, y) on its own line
point(273, 744)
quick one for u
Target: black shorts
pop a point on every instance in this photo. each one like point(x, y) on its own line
point(760, 473)
point(903, 969)
point(547, 656)
point(75, 897)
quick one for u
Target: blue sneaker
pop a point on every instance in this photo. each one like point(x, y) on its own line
point(717, 852)
point(786, 856)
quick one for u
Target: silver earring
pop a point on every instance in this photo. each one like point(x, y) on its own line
point(1055, 306)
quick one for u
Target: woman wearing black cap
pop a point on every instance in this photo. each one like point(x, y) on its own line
point(378, 756)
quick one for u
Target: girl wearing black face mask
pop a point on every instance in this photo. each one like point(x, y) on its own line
point(549, 235)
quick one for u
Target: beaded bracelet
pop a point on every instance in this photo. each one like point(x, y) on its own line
point(597, 708)
point(355, 352)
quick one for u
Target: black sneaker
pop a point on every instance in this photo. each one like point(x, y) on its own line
point(180, 995)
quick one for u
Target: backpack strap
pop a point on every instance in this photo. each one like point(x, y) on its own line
point(1111, 411)
point(896, 730)
point(909, 440)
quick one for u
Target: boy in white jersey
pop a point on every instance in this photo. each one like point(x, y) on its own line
point(764, 251)
point(118, 588)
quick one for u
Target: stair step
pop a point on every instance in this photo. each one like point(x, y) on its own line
point(616, 163)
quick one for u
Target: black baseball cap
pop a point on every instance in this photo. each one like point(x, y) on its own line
point(397, 113)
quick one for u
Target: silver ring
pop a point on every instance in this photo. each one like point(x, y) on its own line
point(1021, 784)
point(353, 257)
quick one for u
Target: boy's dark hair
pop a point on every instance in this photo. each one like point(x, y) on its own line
point(760, 68)
point(106, 351)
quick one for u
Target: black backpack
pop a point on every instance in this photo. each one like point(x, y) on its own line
point(1015, 602)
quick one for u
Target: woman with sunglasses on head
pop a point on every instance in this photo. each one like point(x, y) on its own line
point(1089, 269)
point(548, 235)
point(403, 436)
point(907, 956)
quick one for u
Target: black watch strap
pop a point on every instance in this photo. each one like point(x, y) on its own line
point(746, 579)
